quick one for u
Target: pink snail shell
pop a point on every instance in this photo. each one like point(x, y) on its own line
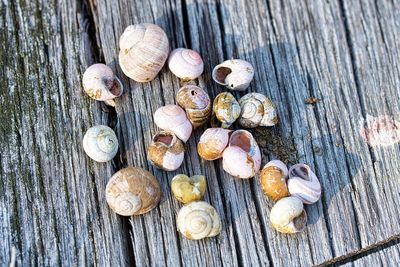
point(304, 184)
point(185, 63)
point(173, 118)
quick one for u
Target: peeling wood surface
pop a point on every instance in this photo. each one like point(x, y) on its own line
point(52, 203)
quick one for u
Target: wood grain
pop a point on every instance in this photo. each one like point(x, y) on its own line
point(52, 207)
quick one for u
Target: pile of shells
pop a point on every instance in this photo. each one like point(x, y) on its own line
point(290, 188)
point(134, 191)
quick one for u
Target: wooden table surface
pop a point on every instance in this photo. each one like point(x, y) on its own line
point(52, 196)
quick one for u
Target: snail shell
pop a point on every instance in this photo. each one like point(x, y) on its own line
point(132, 191)
point(185, 63)
point(304, 184)
point(166, 151)
point(273, 180)
point(257, 110)
point(236, 74)
point(187, 189)
point(100, 83)
point(143, 51)
point(225, 110)
point(173, 118)
point(288, 215)
point(242, 158)
point(196, 103)
point(212, 143)
point(198, 220)
point(100, 143)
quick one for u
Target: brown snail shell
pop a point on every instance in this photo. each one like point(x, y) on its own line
point(132, 191)
point(144, 49)
point(196, 102)
point(166, 151)
point(273, 180)
point(225, 110)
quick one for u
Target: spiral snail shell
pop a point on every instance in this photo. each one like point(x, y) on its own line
point(257, 110)
point(225, 110)
point(185, 63)
point(304, 184)
point(273, 180)
point(166, 151)
point(132, 191)
point(236, 74)
point(196, 103)
point(100, 143)
point(173, 118)
point(143, 51)
point(242, 157)
point(188, 189)
point(213, 143)
point(100, 83)
point(198, 220)
point(288, 215)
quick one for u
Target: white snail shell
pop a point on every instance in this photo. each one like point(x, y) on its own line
point(288, 215)
point(213, 143)
point(185, 63)
point(236, 74)
point(166, 151)
point(242, 158)
point(304, 184)
point(100, 83)
point(100, 143)
point(198, 220)
point(196, 103)
point(225, 110)
point(173, 118)
point(132, 191)
point(257, 110)
point(144, 49)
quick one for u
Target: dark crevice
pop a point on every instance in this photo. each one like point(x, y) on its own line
point(186, 25)
point(369, 250)
point(221, 28)
point(89, 11)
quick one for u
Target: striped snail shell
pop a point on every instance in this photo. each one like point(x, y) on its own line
point(196, 103)
point(225, 110)
point(304, 184)
point(144, 49)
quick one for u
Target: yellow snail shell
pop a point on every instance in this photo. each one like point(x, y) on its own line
point(288, 215)
point(225, 110)
point(100, 83)
point(188, 189)
point(144, 49)
point(132, 191)
point(185, 63)
point(236, 74)
point(198, 220)
point(213, 143)
point(196, 103)
point(173, 118)
point(242, 157)
point(257, 110)
point(273, 180)
point(100, 143)
point(166, 151)
point(304, 184)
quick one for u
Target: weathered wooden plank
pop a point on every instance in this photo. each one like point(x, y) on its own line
point(52, 205)
point(387, 257)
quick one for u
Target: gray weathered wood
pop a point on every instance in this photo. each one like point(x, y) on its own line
point(52, 205)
